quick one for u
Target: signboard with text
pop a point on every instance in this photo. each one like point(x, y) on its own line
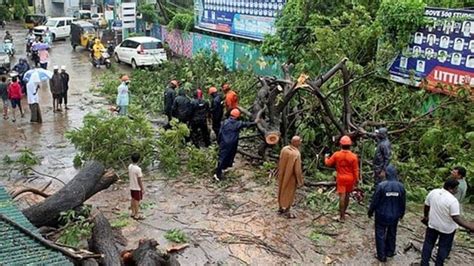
point(440, 57)
point(251, 19)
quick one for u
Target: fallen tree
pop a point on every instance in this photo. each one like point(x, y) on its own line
point(103, 241)
point(90, 180)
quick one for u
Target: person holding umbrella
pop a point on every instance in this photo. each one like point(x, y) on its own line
point(33, 101)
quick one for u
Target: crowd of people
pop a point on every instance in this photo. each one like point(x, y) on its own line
point(388, 204)
point(13, 90)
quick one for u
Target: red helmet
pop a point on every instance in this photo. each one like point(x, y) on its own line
point(345, 140)
point(212, 90)
point(235, 113)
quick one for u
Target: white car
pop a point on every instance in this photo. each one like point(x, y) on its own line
point(60, 28)
point(140, 51)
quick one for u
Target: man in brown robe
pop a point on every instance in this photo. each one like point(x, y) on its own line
point(290, 176)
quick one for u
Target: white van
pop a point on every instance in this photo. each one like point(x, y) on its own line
point(60, 28)
point(140, 51)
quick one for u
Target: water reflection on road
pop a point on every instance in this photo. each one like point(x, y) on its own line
point(47, 140)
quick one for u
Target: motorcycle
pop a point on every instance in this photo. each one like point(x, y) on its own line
point(29, 44)
point(103, 60)
point(110, 48)
point(9, 47)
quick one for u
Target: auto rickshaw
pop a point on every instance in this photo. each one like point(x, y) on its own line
point(83, 34)
point(32, 21)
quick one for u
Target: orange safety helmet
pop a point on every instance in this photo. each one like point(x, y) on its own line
point(212, 90)
point(345, 140)
point(175, 82)
point(226, 87)
point(125, 78)
point(235, 113)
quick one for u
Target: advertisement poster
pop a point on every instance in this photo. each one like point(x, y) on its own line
point(440, 57)
point(251, 19)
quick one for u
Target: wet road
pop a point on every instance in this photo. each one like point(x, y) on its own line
point(47, 140)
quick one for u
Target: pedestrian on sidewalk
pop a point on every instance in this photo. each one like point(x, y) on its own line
point(122, 95)
point(290, 176)
point(388, 204)
point(228, 141)
point(15, 95)
point(217, 110)
point(33, 102)
point(65, 78)
point(441, 215)
point(4, 96)
point(136, 186)
point(56, 87)
point(347, 169)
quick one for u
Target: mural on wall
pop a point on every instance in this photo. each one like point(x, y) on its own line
point(246, 56)
point(224, 48)
point(180, 43)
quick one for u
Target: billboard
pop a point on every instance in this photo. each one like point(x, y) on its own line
point(440, 57)
point(250, 19)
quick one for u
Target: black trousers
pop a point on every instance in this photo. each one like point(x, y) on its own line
point(385, 239)
point(444, 246)
point(199, 131)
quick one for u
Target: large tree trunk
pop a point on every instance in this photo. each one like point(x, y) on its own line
point(147, 255)
point(90, 180)
point(103, 241)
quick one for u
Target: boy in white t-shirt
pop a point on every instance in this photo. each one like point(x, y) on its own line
point(136, 185)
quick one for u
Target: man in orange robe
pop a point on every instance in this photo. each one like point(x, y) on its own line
point(290, 176)
point(347, 169)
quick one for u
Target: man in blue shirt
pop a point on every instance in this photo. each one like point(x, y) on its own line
point(388, 203)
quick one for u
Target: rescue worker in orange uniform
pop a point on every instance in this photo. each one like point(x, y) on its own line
point(231, 100)
point(347, 169)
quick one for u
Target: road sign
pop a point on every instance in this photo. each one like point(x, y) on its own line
point(129, 15)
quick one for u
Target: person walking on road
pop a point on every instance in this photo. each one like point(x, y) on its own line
point(182, 107)
point(228, 141)
point(198, 123)
point(43, 58)
point(170, 95)
point(217, 111)
point(383, 153)
point(15, 95)
point(123, 96)
point(388, 203)
point(65, 78)
point(441, 215)
point(459, 173)
point(4, 96)
point(56, 87)
point(290, 176)
point(33, 102)
point(231, 101)
point(347, 169)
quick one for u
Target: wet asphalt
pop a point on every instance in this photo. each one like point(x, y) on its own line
point(47, 139)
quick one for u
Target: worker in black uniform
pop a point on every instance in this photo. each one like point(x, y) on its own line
point(198, 123)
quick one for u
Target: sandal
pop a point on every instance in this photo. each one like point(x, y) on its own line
point(138, 218)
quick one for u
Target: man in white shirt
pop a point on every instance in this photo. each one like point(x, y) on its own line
point(442, 215)
point(33, 101)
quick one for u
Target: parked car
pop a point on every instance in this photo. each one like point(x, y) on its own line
point(60, 27)
point(82, 15)
point(98, 19)
point(140, 51)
